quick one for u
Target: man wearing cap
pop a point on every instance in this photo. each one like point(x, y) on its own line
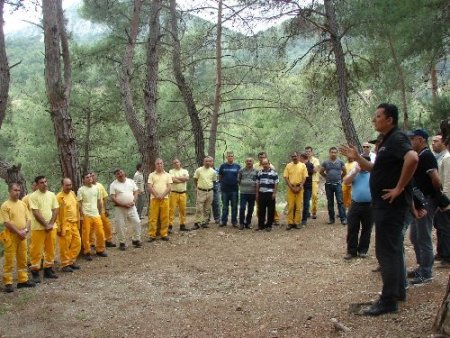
point(391, 194)
point(426, 178)
point(295, 175)
point(442, 218)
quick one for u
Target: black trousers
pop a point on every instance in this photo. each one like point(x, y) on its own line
point(442, 225)
point(359, 217)
point(389, 236)
point(266, 205)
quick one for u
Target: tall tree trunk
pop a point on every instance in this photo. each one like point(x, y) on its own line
point(58, 84)
point(218, 88)
point(185, 90)
point(341, 72)
point(151, 88)
point(434, 83)
point(401, 81)
point(87, 140)
point(145, 135)
point(9, 172)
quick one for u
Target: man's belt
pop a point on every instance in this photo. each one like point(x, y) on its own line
point(205, 189)
point(179, 192)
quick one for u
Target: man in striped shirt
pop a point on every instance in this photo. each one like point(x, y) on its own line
point(266, 191)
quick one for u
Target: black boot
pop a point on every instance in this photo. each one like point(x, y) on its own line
point(49, 273)
point(35, 276)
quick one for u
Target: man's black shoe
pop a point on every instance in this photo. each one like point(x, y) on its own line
point(165, 238)
point(269, 229)
point(102, 254)
point(122, 247)
point(349, 256)
point(137, 244)
point(151, 239)
point(314, 216)
point(27, 284)
point(222, 225)
point(109, 244)
point(205, 226)
point(75, 267)
point(331, 221)
point(196, 226)
point(381, 307)
point(87, 257)
point(183, 228)
point(289, 227)
point(413, 273)
point(49, 273)
point(8, 288)
point(67, 269)
point(170, 229)
point(344, 222)
point(35, 276)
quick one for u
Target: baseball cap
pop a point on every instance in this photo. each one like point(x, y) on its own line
point(418, 132)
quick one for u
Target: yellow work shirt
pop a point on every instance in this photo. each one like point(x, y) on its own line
point(45, 203)
point(295, 173)
point(88, 196)
point(205, 177)
point(315, 161)
point(68, 208)
point(103, 192)
point(179, 187)
point(26, 200)
point(160, 182)
point(15, 213)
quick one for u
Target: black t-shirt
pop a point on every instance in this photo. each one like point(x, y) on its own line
point(308, 181)
point(387, 170)
point(422, 180)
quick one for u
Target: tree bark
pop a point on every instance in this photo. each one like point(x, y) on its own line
point(184, 88)
point(145, 135)
point(218, 87)
point(9, 172)
point(341, 72)
point(58, 85)
point(434, 83)
point(87, 140)
point(401, 80)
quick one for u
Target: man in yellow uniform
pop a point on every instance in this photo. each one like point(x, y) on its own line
point(26, 200)
point(258, 166)
point(178, 195)
point(347, 189)
point(15, 216)
point(107, 228)
point(68, 232)
point(159, 185)
point(204, 178)
point(44, 208)
point(315, 180)
point(89, 200)
point(295, 175)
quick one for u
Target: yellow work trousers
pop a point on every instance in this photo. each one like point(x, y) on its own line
point(314, 197)
point(159, 210)
point(347, 195)
point(177, 200)
point(42, 240)
point(107, 229)
point(69, 243)
point(15, 248)
point(93, 224)
point(295, 206)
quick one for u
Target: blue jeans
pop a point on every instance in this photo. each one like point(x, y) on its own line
point(332, 189)
point(216, 202)
point(227, 199)
point(246, 200)
point(307, 193)
point(422, 241)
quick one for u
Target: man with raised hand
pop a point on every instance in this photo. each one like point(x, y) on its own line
point(391, 193)
point(68, 232)
point(124, 194)
point(44, 208)
point(15, 216)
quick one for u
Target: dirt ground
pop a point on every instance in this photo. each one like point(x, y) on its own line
point(222, 282)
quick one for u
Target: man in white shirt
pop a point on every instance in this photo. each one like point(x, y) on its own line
point(124, 193)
